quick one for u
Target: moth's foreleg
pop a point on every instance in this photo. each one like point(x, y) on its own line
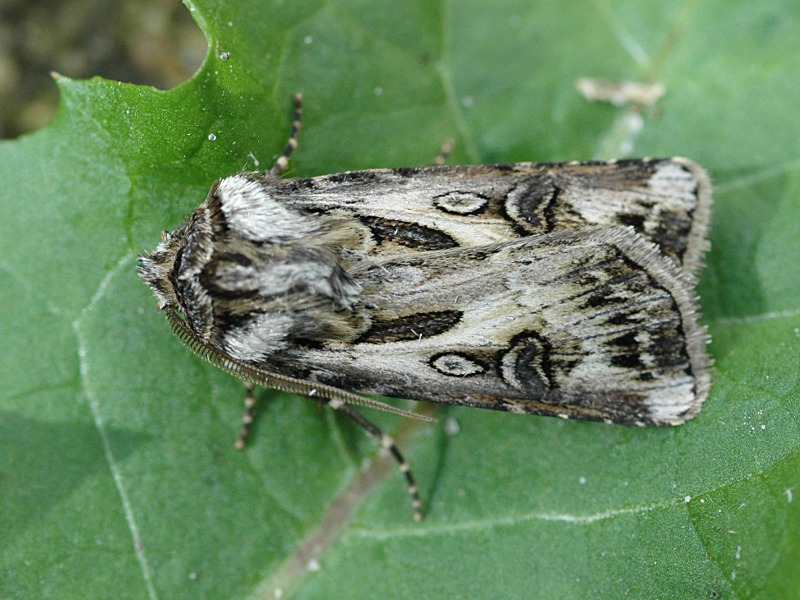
point(388, 443)
point(283, 160)
point(248, 418)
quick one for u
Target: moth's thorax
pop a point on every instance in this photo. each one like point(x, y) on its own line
point(250, 274)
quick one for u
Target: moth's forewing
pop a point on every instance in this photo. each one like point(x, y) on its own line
point(591, 323)
point(402, 211)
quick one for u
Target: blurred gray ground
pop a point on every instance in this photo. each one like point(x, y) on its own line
point(151, 42)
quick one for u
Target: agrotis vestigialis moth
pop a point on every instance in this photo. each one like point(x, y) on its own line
point(562, 289)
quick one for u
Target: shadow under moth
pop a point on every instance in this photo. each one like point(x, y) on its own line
point(562, 289)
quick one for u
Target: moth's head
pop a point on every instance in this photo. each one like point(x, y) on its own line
point(156, 267)
point(171, 269)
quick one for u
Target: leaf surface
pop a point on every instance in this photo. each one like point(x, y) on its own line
point(116, 445)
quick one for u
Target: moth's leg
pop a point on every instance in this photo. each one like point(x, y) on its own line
point(248, 418)
point(388, 443)
point(444, 153)
point(283, 160)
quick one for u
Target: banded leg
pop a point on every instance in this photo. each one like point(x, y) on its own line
point(248, 418)
point(385, 439)
point(283, 160)
point(386, 442)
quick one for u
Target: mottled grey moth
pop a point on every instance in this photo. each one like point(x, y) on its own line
point(562, 289)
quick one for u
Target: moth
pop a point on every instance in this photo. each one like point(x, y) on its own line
point(563, 289)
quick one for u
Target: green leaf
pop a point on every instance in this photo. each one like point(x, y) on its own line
point(117, 469)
